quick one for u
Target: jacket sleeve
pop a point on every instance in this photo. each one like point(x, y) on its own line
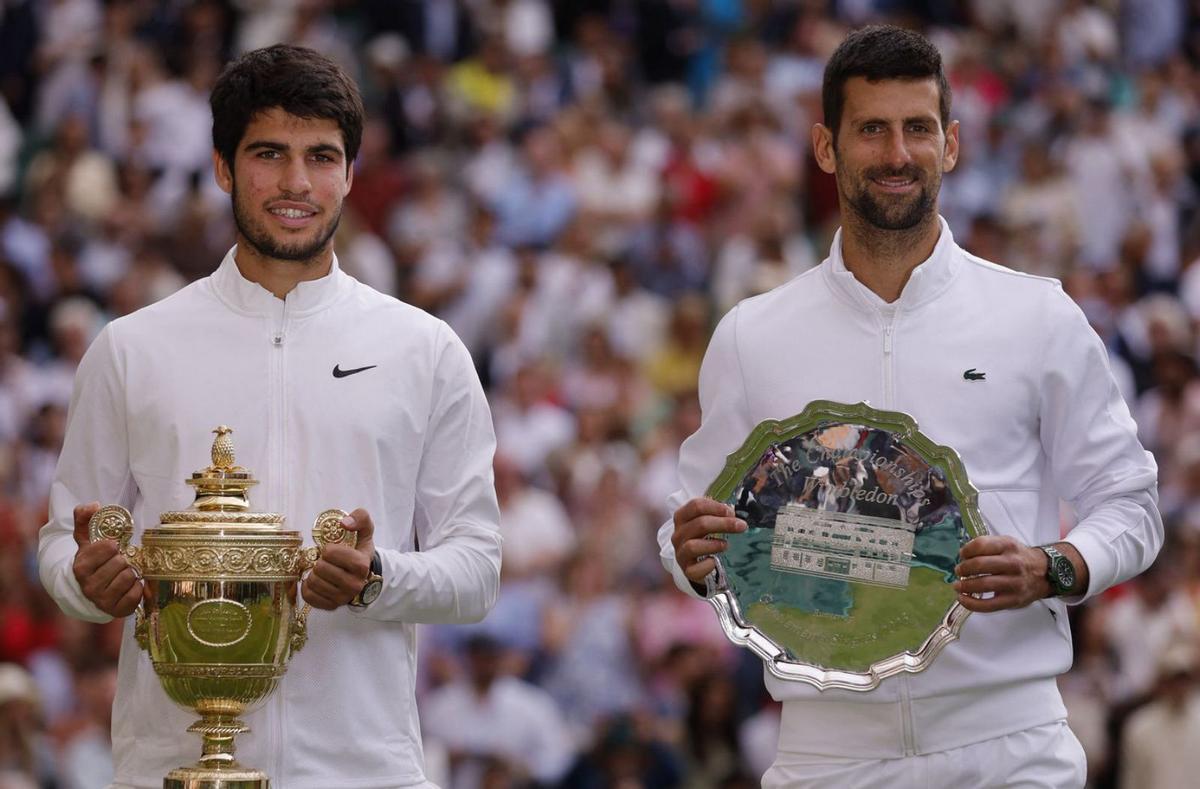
point(455, 576)
point(93, 466)
point(1097, 462)
point(724, 425)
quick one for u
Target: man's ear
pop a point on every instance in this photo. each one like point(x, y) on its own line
point(950, 155)
point(222, 172)
point(823, 150)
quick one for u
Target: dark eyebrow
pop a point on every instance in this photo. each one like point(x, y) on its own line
point(929, 119)
point(282, 147)
point(324, 148)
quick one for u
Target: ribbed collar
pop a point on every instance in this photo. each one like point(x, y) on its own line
point(928, 279)
point(251, 298)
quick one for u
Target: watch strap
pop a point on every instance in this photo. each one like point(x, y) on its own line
point(1055, 561)
point(374, 575)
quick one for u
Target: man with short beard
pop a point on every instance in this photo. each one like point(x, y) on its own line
point(338, 395)
point(999, 365)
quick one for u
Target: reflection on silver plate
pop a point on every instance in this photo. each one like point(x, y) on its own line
point(855, 522)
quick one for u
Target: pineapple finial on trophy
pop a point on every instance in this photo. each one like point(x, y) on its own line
point(222, 448)
point(222, 486)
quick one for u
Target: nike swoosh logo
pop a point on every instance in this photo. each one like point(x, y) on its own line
point(338, 372)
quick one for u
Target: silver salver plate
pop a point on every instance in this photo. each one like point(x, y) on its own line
point(855, 523)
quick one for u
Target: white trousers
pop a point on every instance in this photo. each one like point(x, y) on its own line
point(1044, 757)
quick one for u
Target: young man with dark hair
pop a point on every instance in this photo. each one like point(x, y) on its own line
point(339, 395)
point(1035, 417)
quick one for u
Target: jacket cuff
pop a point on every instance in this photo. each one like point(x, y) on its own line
point(1101, 563)
point(80, 606)
point(682, 581)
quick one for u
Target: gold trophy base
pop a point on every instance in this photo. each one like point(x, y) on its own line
point(233, 776)
point(217, 769)
point(228, 777)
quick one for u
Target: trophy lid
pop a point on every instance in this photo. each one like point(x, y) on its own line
point(221, 491)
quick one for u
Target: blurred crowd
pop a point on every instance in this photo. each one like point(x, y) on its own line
point(581, 188)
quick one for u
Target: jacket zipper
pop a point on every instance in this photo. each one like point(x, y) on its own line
point(889, 330)
point(889, 398)
point(278, 722)
point(906, 722)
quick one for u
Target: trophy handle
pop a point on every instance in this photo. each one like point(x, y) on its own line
point(298, 632)
point(113, 522)
point(141, 627)
point(327, 530)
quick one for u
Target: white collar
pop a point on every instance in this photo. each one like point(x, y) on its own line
point(249, 297)
point(927, 280)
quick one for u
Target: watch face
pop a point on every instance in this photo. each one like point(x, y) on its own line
point(371, 592)
point(1064, 572)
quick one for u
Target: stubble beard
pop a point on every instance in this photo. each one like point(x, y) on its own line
point(900, 214)
point(258, 237)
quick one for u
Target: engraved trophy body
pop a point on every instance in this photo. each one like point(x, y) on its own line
point(220, 615)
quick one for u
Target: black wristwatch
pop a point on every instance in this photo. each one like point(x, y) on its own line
point(373, 586)
point(1059, 572)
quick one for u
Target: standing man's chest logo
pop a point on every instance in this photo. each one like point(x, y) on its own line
point(969, 375)
point(338, 372)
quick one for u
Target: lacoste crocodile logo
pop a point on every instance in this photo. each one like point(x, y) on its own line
point(971, 375)
point(338, 372)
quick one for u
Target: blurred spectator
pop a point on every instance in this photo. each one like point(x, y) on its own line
point(1159, 745)
point(711, 745)
point(668, 253)
point(25, 756)
point(538, 199)
point(84, 178)
point(1142, 626)
point(510, 721)
point(484, 82)
point(475, 283)
point(537, 532)
point(591, 664)
point(628, 753)
point(10, 145)
point(637, 319)
point(1040, 211)
point(1152, 30)
point(379, 179)
point(86, 749)
point(616, 190)
point(434, 212)
point(40, 458)
point(365, 256)
point(1169, 411)
point(675, 366)
point(528, 423)
point(20, 382)
point(1100, 170)
point(769, 254)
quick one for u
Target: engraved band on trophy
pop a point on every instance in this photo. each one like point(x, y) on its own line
point(219, 615)
point(855, 520)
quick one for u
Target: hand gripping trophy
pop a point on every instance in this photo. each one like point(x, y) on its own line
point(219, 616)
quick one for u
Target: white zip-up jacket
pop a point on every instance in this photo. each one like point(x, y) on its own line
point(1046, 422)
point(410, 440)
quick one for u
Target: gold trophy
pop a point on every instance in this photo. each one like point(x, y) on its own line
point(219, 615)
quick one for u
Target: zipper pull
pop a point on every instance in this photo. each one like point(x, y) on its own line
point(277, 340)
point(887, 339)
